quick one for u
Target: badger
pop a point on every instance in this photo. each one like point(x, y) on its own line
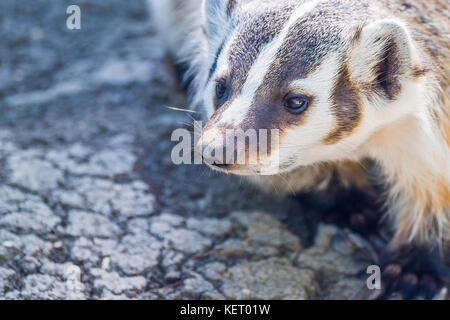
point(344, 82)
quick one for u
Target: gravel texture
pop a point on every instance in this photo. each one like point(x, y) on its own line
point(91, 206)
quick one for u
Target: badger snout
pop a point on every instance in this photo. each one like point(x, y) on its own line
point(235, 150)
point(218, 150)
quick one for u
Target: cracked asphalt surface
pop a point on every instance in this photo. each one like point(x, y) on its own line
point(91, 206)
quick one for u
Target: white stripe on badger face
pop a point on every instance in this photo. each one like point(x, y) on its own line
point(239, 108)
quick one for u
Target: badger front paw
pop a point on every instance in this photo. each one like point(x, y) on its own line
point(413, 273)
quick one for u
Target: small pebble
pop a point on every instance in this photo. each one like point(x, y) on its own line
point(246, 291)
point(58, 245)
point(8, 244)
point(105, 263)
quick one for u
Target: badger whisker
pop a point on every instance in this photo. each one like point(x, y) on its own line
point(181, 109)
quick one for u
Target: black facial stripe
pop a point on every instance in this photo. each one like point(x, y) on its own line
point(230, 7)
point(219, 51)
point(346, 106)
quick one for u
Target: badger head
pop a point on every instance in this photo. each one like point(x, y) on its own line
point(318, 78)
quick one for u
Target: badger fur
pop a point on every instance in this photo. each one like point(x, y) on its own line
point(375, 74)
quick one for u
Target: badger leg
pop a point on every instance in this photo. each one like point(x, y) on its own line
point(357, 210)
point(411, 272)
point(349, 198)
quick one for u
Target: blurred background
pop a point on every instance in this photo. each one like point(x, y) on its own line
point(91, 206)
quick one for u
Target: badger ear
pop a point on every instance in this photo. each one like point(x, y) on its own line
point(216, 15)
point(383, 54)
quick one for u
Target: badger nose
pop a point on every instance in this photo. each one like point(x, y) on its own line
point(215, 155)
point(222, 166)
point(217, 150)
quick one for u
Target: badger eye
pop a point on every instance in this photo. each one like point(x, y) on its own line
point(296, 104)
point(221, 89)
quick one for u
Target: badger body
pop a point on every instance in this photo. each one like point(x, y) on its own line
point(373, 75)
